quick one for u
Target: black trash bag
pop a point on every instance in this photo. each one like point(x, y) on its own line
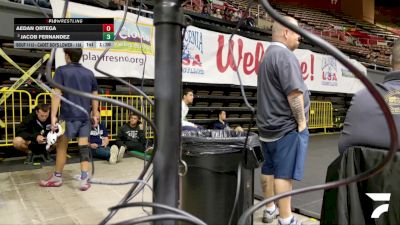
point(209, 142)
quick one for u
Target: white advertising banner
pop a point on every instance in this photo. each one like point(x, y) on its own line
point(206, 56)
point(125, 59)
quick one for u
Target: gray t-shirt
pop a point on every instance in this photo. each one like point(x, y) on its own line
point(279, 75)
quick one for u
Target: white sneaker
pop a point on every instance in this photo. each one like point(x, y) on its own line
point(268, 217)
point(121, 153)
point(113, 154)
point(84, 184)
point(293, 221)
point(149, 150)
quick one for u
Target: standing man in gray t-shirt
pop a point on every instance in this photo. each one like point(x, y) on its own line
point(282, 114)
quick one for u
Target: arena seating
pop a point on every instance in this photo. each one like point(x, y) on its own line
point(345, 32)
point(359, 39)
point(208, 101)
point(41, 3)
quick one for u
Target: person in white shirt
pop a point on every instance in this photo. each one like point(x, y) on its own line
point(187, 98)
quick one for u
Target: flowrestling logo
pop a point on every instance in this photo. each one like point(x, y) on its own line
point(379, 197)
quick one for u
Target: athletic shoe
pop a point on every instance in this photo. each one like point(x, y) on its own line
point(113, 154)
point(47, 157)
point(84, 185)
point(53, 181)
point(268, 217)
point(292, 222)
point(121, 153)
point(29, 158)
point(149, 150)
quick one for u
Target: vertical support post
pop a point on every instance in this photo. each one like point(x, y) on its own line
point(168, 20)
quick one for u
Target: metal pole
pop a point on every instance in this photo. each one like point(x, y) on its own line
point(168, 20)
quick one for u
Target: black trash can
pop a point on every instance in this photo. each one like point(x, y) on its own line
point(214, 158)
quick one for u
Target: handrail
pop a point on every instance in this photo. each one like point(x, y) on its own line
point(141, 10)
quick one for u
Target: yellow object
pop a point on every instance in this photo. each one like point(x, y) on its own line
point(62, 123)
point(14, 108)
point(114, 117)
point(26, 75)
point(321, 115)
point(104, 113)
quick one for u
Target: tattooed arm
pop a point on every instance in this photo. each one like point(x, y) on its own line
point(296, 102)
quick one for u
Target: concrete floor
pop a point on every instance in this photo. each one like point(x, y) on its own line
point(22, 201)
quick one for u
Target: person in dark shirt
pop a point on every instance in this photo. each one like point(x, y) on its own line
point(205, 11)
point(30, 136)
point(77, 123)
point(131, 135)
point(282, 112)
point(99, 141)
point(365, 124)
point(221, 124)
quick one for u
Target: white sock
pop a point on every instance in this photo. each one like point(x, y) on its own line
point(271, 209)
point(286, 220)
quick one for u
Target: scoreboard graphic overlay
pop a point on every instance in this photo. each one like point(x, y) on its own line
point(48, 33)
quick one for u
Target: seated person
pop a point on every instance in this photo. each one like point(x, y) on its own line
point(187, 98)
point(366, 126)
point(98, 143)
point(359, 128)
point(30, 136)
point(220, 124)
point(131, 135)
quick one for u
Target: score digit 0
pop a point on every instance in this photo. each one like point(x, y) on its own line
point(108, 27)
